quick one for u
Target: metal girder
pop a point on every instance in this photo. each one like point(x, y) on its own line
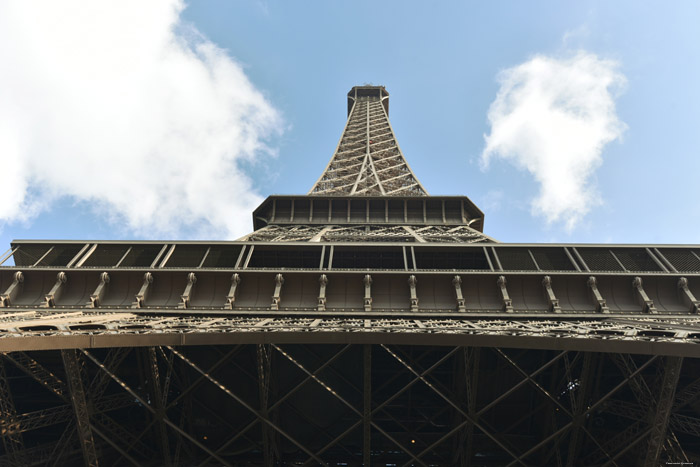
point(584, 390)
point(367, 405)
point(629, 436)
point(279, 401)
point(687, 394)
point(63, 413)
point(40, 455)
point(678, 422)
point(446, 399)
point(111, 431)
point(114, 358)
point(156, 393)
point(11, 436)
point(472, 356)
point(662, 411)
point(264, 366)
point(645, 397)
point(59, 449)
point(148, 407)
point(37, 371)
point(330, 390)
point(575, 334)
point(79, 401)
point(589, 409)
point(362, 233)
point(244, 404)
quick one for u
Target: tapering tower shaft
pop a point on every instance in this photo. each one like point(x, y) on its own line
point(368, 193)
point(368, 160)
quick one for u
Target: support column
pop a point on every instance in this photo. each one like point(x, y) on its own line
point(264, 358)
point(367, 406)
point(11, 435)
point(577, 431)
point(470, 359)
point(157, 394)
point(664, 404)
point(77, 396)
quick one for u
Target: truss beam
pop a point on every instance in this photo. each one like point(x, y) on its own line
point(79, 401)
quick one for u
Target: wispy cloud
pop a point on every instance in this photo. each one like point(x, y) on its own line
point(121, 105)
point(553, 117)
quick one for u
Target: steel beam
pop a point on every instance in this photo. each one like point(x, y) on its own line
point(367, 405)
point(148, 407)
point(446, 399)
point(244, 404)
point(37, 371)
point(347, 404)
point(11, 435)
point(157, 396)
point(79, 401)
point(584, 390)
point(264, 365)
point(662, 411)
point(591, 408)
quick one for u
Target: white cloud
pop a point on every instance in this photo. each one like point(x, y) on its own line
point(121, 105)
point(553, 117)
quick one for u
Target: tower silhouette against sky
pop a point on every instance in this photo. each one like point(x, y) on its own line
point(365, 323)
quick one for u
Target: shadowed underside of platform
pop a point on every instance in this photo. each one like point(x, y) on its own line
point(340, 404)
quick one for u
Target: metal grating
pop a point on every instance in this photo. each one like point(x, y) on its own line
point(599, 259)
point(141, 256)
point(285, 258)
point(105, 256)
point(368, 258)
point(552, 259)
point(516, 259)
point(636, 259)
point(27, 255)
point(682, 259)
point(473, 259)
point(222, 257)
point(186, 256)
point(60, 255)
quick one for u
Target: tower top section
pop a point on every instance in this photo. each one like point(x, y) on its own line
point(368, 160)
point(368, 92)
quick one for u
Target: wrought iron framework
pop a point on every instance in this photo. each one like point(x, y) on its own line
point(365, 323)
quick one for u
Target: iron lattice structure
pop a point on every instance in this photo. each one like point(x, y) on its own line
point(365, 323)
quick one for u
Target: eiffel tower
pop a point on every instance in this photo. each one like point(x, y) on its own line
point(365, 323)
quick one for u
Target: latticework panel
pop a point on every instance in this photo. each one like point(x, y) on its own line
point(367, 233)
point(351, 404)
point(368, 160)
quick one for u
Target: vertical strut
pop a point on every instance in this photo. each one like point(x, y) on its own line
point(11, 435)
point(157, 394)
point(367, 407)
point(585, 385)
point(472, 355)
point(77, 396)
point(662, 412)
point(264, 357)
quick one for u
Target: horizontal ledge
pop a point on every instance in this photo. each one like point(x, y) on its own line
point(419, 337)
point(359, 271)
point(467, 315)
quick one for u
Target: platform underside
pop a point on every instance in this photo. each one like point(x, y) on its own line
point(347, 404)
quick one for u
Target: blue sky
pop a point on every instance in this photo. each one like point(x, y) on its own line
point(274, 75)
